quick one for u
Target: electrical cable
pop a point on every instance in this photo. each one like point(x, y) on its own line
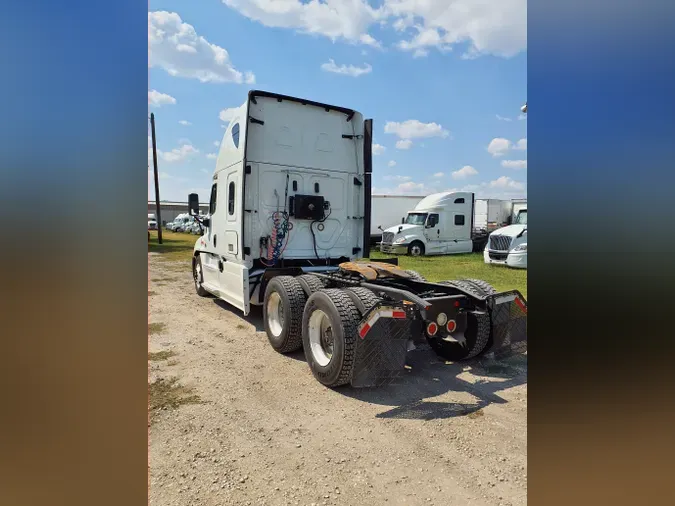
point(311, 229)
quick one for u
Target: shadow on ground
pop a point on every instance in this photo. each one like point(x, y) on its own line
point(429, 377)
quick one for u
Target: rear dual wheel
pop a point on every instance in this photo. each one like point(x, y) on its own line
point(329, 328)
point(477, 336)
point(282, 313)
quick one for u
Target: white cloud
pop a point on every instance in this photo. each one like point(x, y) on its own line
point(378, 149)
point(403, 144)
point(184, 122)
point(157, 99)
point(420, 53)
point(464, 172)
point(497, 27)
point(521, 145)
point(410, 187)
point(439, 174)
point(216, 143)
point(205, 171)
point(346, 70)
point(336, 19)
point(415, 129)
point(506, 183)
point(397, 178)
point(499, 146)
point(176, 47)
point(502, 118)
point(227, 115)
point(391, 163)
point(212, 156)
point(178, 154)
point(522, 116)
point(514, 164)
point(405, 188)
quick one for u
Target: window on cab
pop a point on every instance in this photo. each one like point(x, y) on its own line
point(212, 203)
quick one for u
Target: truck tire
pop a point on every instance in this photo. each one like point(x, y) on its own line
point(416, 249)
point(466, 286)
point(363, 298)
point(310, 283)
point(477, 336)
point(198, 276)
point(282, 313)
point(416, 275)
point(484, 286)
point(329, 328)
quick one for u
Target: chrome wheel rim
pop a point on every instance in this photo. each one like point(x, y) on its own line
point(416, 251)
point(321, 338)
point(275, 314)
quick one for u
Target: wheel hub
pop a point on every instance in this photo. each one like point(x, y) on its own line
point(321, 338)
point(275, 314)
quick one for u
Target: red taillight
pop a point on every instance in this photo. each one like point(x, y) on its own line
point(521, 305)
point(451, 326)
point(432, 328)
point(456, 303)
point(398, 314)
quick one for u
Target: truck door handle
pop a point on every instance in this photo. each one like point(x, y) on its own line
point(214, 241)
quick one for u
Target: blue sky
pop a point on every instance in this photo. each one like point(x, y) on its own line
point(443, 81)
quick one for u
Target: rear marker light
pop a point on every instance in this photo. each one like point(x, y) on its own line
point(521, 305)
point(456, 303)
point(452, 326)
point(432, 328)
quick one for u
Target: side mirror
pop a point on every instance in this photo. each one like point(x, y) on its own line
point(193, 204)
point(379, 227)
point(402, 221)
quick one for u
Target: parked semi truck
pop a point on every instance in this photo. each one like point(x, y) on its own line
point(446, 223)
point(387, 211)
point(508, 245)
point(288, 228)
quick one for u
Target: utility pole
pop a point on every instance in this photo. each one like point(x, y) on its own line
point(154, 162)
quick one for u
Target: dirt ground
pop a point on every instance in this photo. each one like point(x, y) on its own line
point(265, 432)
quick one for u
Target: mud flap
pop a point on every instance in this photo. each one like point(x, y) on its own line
point(508, 315)
point(381, 347)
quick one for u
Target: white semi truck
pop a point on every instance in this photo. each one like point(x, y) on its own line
point(387, 211)
point(508, 245)
point(446, 223)
point(289, 220)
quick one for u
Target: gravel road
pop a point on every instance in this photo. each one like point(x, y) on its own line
point(267, 433)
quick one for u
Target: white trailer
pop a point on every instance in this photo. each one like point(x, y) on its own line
point(389, 210)
point(491, 214)
point(289, 218)
point(516, 206)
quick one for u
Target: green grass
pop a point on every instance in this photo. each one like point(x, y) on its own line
point(160, 355)
point(471, 265)
point(174, 246)
point(155, 328)
point(178, 247)
point(169, 394)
